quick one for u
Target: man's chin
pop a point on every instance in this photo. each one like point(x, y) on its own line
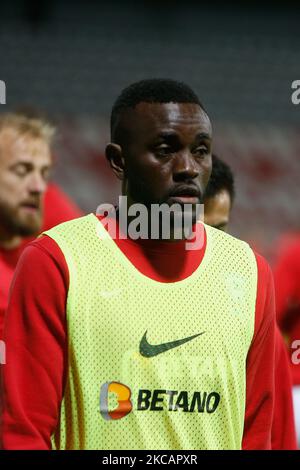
point(25, 231)
point(192, 211)
point(28, 228)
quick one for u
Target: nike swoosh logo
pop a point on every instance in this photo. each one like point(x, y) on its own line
point(151, 350)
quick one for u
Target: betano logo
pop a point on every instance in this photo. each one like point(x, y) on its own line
point(123, 394)
point(154, 400)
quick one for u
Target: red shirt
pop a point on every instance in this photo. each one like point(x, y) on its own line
point(287, 284)
point(37, 345)
point(283, 425)
point(8, 262)
point(58, 207)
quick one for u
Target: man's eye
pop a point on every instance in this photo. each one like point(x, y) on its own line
point(203, 150)
point(163, 150)
point(20, 170)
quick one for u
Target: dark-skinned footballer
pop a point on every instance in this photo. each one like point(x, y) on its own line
point(133, 343)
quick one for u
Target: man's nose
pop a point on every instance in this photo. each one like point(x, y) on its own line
point(37, 183)
point(185, 167)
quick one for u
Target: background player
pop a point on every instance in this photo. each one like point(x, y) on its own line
point(287, 283)
point(218, 203)
point(25, 164)
point(28, 204)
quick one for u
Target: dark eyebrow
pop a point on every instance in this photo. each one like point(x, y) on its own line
point(203, 135)
point(167, 134)
point(172, 135)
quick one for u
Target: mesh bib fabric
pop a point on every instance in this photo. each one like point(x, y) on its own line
point(154, 365)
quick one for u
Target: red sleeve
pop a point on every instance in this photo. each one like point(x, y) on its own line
point(260, 365)
point(283, 426)
point(35, 337)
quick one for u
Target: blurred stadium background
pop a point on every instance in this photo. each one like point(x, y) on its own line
point(71, 59)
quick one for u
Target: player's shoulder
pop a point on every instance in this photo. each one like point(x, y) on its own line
point(46, 243)
point(265, 274)
point(41, 257)
point(42, 248)
point(240, 246)
point(218, 236)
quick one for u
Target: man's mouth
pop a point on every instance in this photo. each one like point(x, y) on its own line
point(31, 207)
point(185, 199)
point(186, 195)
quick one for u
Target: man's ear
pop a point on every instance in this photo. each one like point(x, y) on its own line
point(114, 155)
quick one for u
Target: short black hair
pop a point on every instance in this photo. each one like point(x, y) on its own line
point(155, 90)
point(221, 178)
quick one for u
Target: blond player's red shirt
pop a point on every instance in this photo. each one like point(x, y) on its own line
point(59, 207)
point(36, 339)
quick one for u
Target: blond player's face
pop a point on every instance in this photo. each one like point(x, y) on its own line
point(25, 163)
